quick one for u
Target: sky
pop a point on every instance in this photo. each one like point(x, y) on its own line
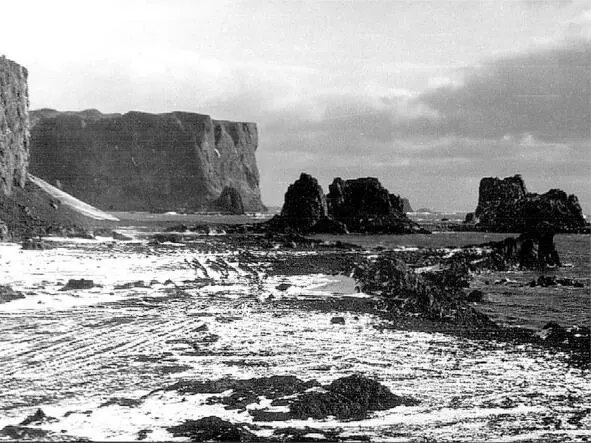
point(428, 96)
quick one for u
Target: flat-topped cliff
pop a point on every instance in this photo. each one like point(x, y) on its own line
point(139, 161)
point(14, 125)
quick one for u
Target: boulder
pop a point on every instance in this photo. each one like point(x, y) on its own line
point(34, 244)
point(21, 433)
point(475, 296)
point(8, 294)
point(348, 398)
point(212, 429)
point(38, 418)
point(531, 250)
point(229, 201)
point(506, 206)
point(78, 284)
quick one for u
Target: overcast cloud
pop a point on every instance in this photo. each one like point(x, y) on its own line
point(427, 96)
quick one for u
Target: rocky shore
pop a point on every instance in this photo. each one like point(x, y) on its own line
point(242, 347)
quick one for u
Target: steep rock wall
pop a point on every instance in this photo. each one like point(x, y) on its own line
point(14, 125)
point(141, 161)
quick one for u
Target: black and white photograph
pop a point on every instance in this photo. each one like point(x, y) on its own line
point(295, 220)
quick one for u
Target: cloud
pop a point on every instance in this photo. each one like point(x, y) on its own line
point(545, 93)
point(526, 113)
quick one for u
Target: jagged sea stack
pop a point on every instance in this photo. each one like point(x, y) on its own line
point(177, 161)
point(506, 206)
point(364, 205)
point(359, 205)
point(305, 203)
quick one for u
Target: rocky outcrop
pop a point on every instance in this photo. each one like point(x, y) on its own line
point(406, 207)
point(364, 205)
point(229, 201)
point(305, 203)
point(14, 125)
point(138, 161)
point(506, 206)
point(360, 205)
point(532, 250)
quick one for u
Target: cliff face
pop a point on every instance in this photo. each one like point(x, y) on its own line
point(28, 206)
point(14, 125)
point(506, 206)
point(141, 161)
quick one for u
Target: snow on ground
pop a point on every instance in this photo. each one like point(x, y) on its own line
point(71, 201)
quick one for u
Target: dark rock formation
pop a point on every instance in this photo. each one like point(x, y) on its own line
point(532, 250)
point(348, 398)
point(352, 397)
point(575, 337)
point(138, 161)
point(21, 433)
point(229, 201)
point(436, 296)
point(33, 244)
point(364, 205)
point(406, 207)
point(305, 204)
point(212, 429)
point(360, 205)
point(552, 280)
point(506, 206)
point(78, 284)
point(39, 417)
point(475, 296)
point(8, 294)
point(14, 125)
